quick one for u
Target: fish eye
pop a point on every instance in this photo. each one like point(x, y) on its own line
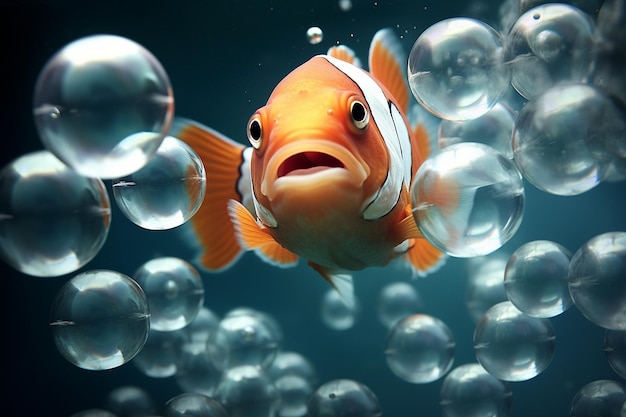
point(359, 114)
point(255, 133)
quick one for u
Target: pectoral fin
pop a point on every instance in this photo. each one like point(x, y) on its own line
point(421, 256)
point(256, 237)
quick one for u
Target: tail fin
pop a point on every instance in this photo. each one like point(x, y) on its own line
point(226, 179)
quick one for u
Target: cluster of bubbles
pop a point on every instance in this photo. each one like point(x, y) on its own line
point(545, 94)
point(103, 106)
point(233, 366)
point(514, 339)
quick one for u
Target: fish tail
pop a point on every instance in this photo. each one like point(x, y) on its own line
point(224, 162)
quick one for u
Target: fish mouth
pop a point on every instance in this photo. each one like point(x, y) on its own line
point(312, 164)
point(307, 163)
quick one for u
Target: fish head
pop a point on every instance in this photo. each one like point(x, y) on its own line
point(314, 144)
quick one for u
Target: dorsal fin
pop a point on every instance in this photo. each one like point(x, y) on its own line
point(387, 63)
point(425, 129)
point(211, 225)
point(344, 53)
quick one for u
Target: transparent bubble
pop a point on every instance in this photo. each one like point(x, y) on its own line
point(607, 68)
point(468, 199)
point(199, 329)
point(102, 105)
point(589, 6)
point(130, 401)
point(420, 349)
point(345, 5)
point(536, 279)
point(314, 35)
point(457, 69)
point(292, 363)
point(469, 391)
point(610, 20)
point(599, 398)
point(548, 45)
point(485, 285)
point(193, 404)
point(52, 221)
point(100, 319)
point(596, 280)
point(615, 350)
point(336, 314)
point(242, 340)
point(396, 301)
point(511, 345)
point(245, 391)
point(195, 371)
point(344, 398)
point(616, 172)
point(266, 318)
point(167, 191)
point(161, 354)
point(174, 289)
point(493, 128)
point(294, 392)
point(561, 137)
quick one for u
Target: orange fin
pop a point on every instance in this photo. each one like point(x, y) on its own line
point(420, 255)
point(425, 129)
point(387, 63)
point(407, 228)
point(344, 53)
point(253, 236)
point(340, 281)
point(447, 196)
point(423, 258)
point(222, 158)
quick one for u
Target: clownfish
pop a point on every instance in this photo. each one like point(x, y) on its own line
point(327, 174)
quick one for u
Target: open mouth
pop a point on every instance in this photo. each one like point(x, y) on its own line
point(305, 163)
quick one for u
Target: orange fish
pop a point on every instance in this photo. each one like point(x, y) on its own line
point(327, 175)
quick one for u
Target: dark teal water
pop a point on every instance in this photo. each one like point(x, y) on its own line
point(223, 60)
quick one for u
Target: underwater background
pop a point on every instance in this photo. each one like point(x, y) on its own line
point(223, 59)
